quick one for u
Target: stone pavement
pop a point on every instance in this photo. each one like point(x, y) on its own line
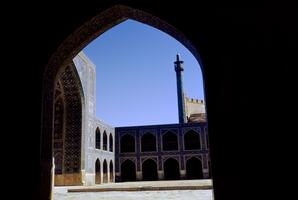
point(61, 193)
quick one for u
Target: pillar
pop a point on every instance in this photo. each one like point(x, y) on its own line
point(183, 174)
point(139, 175)
point(205, 173)
point(160, 174)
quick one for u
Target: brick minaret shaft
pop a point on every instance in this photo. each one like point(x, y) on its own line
point(180, 93)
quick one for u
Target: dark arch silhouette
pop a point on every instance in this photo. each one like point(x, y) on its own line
point(149, 169)
point(70, 47)
point(97, 172)
point(105, 141)
point(128, 171)
point(127, 143)
point(194, 168)
point(169, 141)
point(111, 172)
point(171, 169)
point(105, 172)
point(97, 138)
point(111, 143)
point(192, 140)
point(148, 142)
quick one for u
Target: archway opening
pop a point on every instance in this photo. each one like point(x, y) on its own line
point(68, 50)
point(127, 143)
point(105, 172)
point(97, 172)
point(111, 143)
point(192, 140)
point(170, 141)
point(194, 168)
point(148, 142)
point(111, 172)
point(105, 141)
point(149, 169)
point(97, 138)
point(171, 169)
point(128, 171)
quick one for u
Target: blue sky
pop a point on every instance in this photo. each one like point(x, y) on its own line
point(135, 76)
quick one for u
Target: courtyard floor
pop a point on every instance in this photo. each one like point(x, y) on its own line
point(61, 193)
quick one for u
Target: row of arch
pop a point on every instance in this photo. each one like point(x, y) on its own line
point(104, 175)
point(171, 170)
point(192, 141)
point(104, 144)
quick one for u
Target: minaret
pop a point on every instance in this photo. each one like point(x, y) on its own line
point(180, 93)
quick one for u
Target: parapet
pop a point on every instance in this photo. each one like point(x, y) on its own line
point(192, 100)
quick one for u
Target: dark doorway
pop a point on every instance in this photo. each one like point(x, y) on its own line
point(128, 171)
point(171, 169)
point(105, 141)
point(148, 142)
point(170, 141)
point(127, 143)
point(149, 169)
point(111, 142)
point(194, 168)
point(97, 139)
point(111, 172)
point(105, 172)
point(97, 172)
point(192, 140)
